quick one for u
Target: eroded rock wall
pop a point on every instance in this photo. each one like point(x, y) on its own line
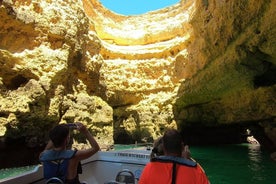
point(234, 47)
point(197, 63)
point(49, 64)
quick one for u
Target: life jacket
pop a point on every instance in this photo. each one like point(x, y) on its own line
point(55, 163)
point(174, 161)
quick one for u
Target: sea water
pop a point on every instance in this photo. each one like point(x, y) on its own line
point(236, 164)
point(223, 164)
point(10, 172)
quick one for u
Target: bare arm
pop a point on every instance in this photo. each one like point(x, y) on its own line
point(83, 154)
point(49, 145)
point(186, 152)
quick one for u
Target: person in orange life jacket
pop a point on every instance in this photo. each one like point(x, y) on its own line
point(58, 161)
point(172, 168)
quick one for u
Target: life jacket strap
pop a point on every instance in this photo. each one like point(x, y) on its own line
point(173, 159)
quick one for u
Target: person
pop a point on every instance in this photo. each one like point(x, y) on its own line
point(63, 163)
point(172, 168)
point(158, 150)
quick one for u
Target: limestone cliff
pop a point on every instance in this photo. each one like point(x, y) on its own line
point(49, 70)
point(203, 63)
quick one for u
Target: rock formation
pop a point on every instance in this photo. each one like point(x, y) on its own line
point(203, 65)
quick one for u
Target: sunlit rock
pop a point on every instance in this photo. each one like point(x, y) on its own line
point(204, 65)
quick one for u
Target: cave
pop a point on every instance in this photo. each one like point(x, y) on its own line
point(16, 82)
point(216, 60)
point(268, 78)
point(199, 135)
point(226, 134)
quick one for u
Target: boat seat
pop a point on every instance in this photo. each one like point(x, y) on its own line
point(125, 176)
point(54, 180)
point(111, 182)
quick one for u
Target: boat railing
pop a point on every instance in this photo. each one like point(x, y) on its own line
point(148, 146)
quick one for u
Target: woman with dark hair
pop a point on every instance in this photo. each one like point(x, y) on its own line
point(60, 162)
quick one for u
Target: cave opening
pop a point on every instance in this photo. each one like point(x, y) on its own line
point(223, 134)
point(16, 82)
point(136, 7)
point(268, 78)
point(227, 134)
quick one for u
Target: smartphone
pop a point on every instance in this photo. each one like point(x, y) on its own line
point(72, 125)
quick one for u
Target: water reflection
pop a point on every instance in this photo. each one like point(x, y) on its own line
point(254, 153)
point(255, 162)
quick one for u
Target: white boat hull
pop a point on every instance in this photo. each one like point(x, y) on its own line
point(98, 169)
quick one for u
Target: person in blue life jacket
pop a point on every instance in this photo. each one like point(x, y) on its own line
point(63, 163)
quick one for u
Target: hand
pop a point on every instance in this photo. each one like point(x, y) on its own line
point(186, 152)
point(82, 128)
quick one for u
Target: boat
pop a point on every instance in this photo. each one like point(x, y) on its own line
point(104, 167)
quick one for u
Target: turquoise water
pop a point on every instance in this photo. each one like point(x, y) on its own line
point(4, 173)
point(223, 164)
point(236, 164)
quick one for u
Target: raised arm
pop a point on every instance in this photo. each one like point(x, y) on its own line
point(49, 145)
point(86, 153)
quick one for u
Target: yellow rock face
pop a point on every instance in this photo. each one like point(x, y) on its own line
point(196, 61)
